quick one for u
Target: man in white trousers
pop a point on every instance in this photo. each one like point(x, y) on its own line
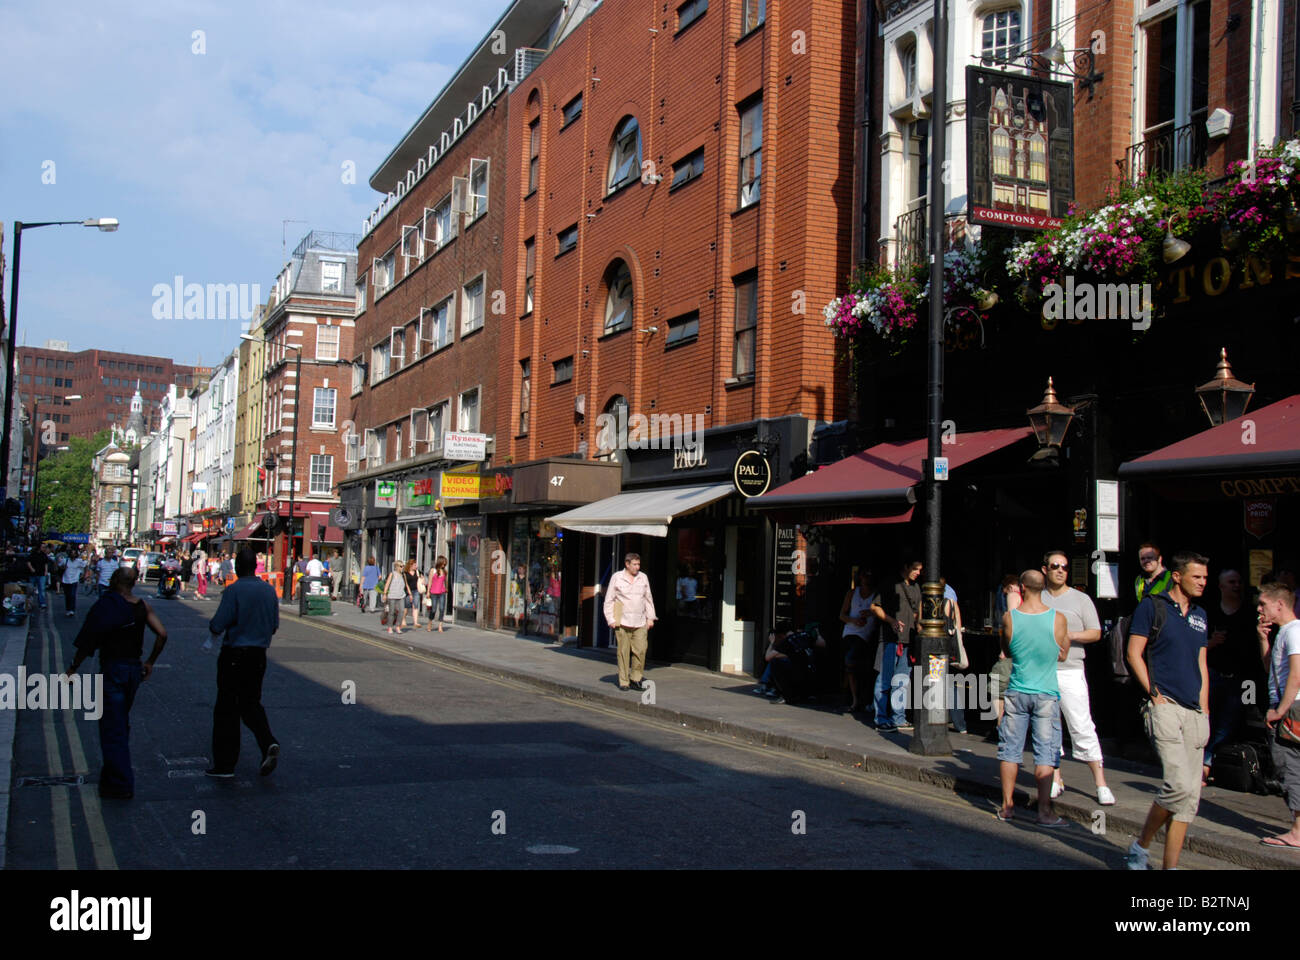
point(1083, 627)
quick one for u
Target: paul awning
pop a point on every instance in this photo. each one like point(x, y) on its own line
point(1266, 440)
point(886, 472)
point(646, 512)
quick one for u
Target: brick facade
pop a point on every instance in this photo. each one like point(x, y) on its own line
point(684, 248)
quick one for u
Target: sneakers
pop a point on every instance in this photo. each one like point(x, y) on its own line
point(220, 774)
point(1105, 797)
point(761, 690)
point(270, 760)
point(1137, 857)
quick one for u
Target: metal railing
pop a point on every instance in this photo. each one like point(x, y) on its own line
point(1166, 149)
point(910, 238)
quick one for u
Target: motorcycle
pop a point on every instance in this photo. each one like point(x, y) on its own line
point(169, 584)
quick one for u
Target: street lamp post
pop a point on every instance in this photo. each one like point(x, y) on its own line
point(104, 224)
point(930, 729)
point(293, 458)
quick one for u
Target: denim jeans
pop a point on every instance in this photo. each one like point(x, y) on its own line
point(1226, 711)
point(1039, 713)
point(957, 699)
point(439, 607)
point(892, 686)
point(70, 597)
point(121, 680)
point(38, 588)
point(239, 697)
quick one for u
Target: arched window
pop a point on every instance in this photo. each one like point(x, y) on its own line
point(624, 154)
point(1038, 158)
point(618, 304)
point(907, 63)
point(611, 438)
point(1001, 153)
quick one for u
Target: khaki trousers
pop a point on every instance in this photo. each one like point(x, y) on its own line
point(631, 641)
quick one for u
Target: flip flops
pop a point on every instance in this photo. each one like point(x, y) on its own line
point(1279, 842)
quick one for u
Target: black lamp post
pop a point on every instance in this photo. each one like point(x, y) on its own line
point(930, 724)
point(1224, 398)
point(105, 224)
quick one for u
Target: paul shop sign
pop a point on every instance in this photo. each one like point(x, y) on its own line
point(752, 474)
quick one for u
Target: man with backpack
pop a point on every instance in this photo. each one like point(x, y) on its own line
point(1166, 654)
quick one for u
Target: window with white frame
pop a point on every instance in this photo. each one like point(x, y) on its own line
point(437, 424)
point(743, 357)
point(327, 342)
point(396, 348)
point(471, 307)
point(412, 247)
point(1173, 100)
point(382, 271)
point(331, 276)
point(751, 152)
point(467, 411)
point(358, 376)
point(478, 188)
point(435, 326)
point(322, 408)
point(439, 225)
point(374, 448)
point(322, 474)
point(534, 152)
point(1000, 34)
point(525, 393)
point(907, 65)
point(380, 364)
point(624, 154)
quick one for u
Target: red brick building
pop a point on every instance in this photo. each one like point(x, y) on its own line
point(309, 315)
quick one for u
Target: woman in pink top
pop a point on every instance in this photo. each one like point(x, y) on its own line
point(436, 598)
point(261, 564)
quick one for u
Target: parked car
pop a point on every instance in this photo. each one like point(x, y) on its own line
point(152, 566)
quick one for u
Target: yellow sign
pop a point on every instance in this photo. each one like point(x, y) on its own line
point(460, 486)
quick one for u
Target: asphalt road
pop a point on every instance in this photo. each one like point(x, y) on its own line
point(434, 767)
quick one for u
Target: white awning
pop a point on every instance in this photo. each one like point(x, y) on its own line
point(646, 511)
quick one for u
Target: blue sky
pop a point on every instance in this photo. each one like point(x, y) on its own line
point(200, 156)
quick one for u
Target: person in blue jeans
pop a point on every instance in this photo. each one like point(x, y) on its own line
point(115, 628)
point(1035, 637)
point(899, 608)
point(38, 563)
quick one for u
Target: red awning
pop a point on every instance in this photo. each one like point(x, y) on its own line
point(248, 531)
point(1265, 440)
point(888, 471)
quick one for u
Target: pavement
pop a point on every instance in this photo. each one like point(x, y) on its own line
point(13, 643)
point(1229, 825)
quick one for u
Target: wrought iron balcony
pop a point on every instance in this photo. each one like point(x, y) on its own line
point(910, 238)
point(1165, 150)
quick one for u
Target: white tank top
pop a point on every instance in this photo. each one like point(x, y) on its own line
point(857, 607)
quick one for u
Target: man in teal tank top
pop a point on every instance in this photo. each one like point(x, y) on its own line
point(1035, 638)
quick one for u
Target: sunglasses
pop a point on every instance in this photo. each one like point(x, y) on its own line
point(1058, 566)
point(1148, 558)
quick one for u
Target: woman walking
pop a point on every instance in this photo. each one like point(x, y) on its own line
point(395, 593)
point(115, 628)
point(436, 599)
point(200, 574)
point(414, 591)
point(369, 583)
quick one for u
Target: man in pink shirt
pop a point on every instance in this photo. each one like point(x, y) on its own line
point(630, 613)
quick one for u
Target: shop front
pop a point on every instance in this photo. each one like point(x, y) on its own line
point(682, 511)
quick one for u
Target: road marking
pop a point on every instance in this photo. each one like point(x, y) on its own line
point(550, 848)
point(100, 845)
point(65, 857)
point(184, 761)
point(177, 774)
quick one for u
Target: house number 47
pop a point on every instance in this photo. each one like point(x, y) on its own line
point(557, 480)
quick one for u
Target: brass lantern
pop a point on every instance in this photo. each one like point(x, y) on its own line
point(1050, 420)
point(1225, 397)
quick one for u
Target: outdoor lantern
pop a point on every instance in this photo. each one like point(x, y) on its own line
point(1173, 249)
point(1050, 420)
point(1225, 397)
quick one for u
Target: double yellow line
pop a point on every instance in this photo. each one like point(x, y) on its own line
point(65, 856)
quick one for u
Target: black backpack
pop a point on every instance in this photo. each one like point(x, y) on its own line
point(1119, 638)
point(1244, 767)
